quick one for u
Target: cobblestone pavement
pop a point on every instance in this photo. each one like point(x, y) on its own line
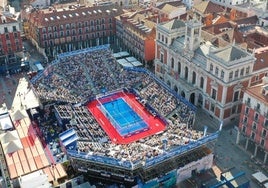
point(227, 153)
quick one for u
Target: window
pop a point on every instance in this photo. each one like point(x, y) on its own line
point(256, 117)
point(172, 63)
point(186, 73)
point(216, 71)
point(262, 142)
point(162, 58)
point(61, 27)
point(179, 68)
point(158, 36)
point(254, 126)
point(214, 94)
point(244, 129)
point(211, 67)
point(194, 78)
point(252, 136)
point(49, 29)
point(236, 96)
point(242, 72)
point(247, 70)
point(257, 78)
point(55, 28)
point(14, 28)
point(212, 107)
point(222, 74)
point(234, 109)
point(266, 122)
point(236, 73)
point(6, 30)
point(202, 82)
point(264, 133)
point(247, 110)
point(67, 26)
point(166, 40)
point(258, 107)
point(231, 75)
point(162, 38)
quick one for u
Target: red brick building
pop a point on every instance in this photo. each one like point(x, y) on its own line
point(136, 34)
point(10, 42)
point(253, 125)
point(65, 28)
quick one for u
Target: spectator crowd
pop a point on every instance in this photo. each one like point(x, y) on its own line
point(85, 74)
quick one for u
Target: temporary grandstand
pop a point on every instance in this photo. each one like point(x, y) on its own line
point(160, 146)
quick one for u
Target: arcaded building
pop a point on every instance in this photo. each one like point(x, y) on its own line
point(65, 28)
point(208, 76)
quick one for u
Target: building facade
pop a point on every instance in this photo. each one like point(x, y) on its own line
point(253, 124)
point(60, 29)
point(208, 76)
point(136, 34)
point(10, 43)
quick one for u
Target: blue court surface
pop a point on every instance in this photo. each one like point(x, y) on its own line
point(123, 117)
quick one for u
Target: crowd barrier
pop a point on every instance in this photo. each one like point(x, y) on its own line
point(85, 50)
point(104, 160)
point(149, 162)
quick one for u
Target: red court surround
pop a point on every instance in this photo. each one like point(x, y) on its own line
point(155, 124)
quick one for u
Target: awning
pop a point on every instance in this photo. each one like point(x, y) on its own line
point(260, 177)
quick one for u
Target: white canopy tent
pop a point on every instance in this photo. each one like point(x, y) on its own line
point(5, 122)
point(131, 59)
point(124, 63)
point(10, 141)
point(19, 115)
point(136, 63)
point(260, 177)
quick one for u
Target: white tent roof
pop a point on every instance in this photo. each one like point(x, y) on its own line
point(124, 63)
point(18, 115)
point(260, 177)
point(136, 63)
point(131, 59)
point(5, 122)
point(9, 136)
point(12, 146)
point(33, 180)
point(10, 141)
